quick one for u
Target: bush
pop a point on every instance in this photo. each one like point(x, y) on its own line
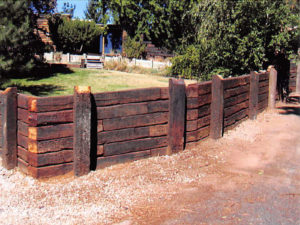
point(74, 36)
point(134, 48)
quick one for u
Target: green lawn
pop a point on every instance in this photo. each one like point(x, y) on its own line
point(62, 83)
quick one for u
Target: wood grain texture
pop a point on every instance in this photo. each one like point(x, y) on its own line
point(193, 103)
point(50, 171)
point(135, 121)
point(177, 108)
point(235, 108)
point(50, 132)
point(50, 145)
point(129, 96)
point(47, 159)
point(132, 109)
point(9, 128)
point(253, 100)
point(131, 134)
point(197, 134)
point(37, 119)
point(23, 101)
point(48, 104)
point(134, 145)
point(236, 81)
point(228, 93)
point(217, 107)
point(103, 162)
point(197, 124)
point(82, 132)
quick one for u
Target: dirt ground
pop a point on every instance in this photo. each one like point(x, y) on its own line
point(251, 176)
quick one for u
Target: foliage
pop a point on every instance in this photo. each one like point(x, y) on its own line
point(159, 21)
point(18, 40)
point(234, 37)
point(68, 8)
point(73, 36)
point(134, 47)
point(97, 10)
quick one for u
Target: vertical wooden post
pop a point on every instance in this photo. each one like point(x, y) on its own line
point(217, 107)
point(82, 130)
point(253, 98)
point(9, 128)
point(272, 88)
point(177, 108)
point(298, 78)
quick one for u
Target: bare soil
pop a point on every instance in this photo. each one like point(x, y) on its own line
point(251, 176)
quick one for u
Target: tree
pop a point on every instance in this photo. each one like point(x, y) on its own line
point(234, 37)
point(133, 47)
point(74, 36)
point(68, 8)
point(97, 10)
point(18, 40)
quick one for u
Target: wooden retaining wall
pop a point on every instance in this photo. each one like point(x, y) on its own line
point(86, 131)
point(293, 77)
point(45, 135)
point(131, 125)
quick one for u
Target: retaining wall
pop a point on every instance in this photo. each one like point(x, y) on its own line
point(57, 135)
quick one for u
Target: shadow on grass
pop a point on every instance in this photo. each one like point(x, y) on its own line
point(48, 70)
point(37, 90)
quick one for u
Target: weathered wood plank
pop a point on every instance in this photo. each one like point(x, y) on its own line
point(48, 104)
point(131, 134)
point(263, 76)
point(23, 128)
point(192, 114)
point(23, 166)
point(193, 103)
point(23, 141)
point(233, 82)
point(204, 110)
point(196, 124)
point(134, 145)
point(135, 121)
point(23, 101)
point(192, 91)
point(9, 128)
point(263, 90)
point(264, 83)
point(262, 105)
point(50, 132)
point(82, 130)
point(253, 99)
point(50, 171)
point(233, 109)
point(235, 117)
point(23, 154)
point(204, 88)
point(132, 109)
point(272, 88)
point(50, 145)
point(103, 162)
point(164, 93)
point(128, 96)
point(217, 107)
point(198, 134)
point(23, 115)
point(159, 151)
point(47, 159)
point(177, 108)
point(36, 119)
point(228, 93)
point(236, 99)
point(263, 97)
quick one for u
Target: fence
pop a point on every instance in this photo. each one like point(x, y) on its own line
point(76, 59)
point(49, 136)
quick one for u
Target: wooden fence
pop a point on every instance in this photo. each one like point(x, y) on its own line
point(49, 136)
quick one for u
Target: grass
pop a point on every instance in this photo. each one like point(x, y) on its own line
point(62, 83)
